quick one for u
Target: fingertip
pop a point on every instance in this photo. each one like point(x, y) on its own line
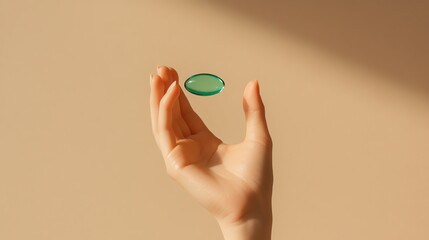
point(173, 91)
point(251, 98)
point(252, 87)
point(161, 69)
point(155, 81)
point(174, 74)
point(171, 87)
point(256, 83)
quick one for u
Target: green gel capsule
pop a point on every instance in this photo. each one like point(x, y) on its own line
point(204, 84)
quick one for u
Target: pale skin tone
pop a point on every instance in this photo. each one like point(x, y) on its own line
point(232, 181)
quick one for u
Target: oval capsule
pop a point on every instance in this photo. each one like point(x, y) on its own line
point(204, 84)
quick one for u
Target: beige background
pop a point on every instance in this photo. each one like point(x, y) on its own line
point(346, 87)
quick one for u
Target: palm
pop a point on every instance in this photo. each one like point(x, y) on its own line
point(217, 177)
point(228, 180)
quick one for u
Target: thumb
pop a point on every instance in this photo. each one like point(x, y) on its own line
point(256, 124)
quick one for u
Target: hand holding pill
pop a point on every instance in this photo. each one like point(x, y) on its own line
point(232, 181)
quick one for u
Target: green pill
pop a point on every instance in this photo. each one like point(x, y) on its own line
point(204, 84)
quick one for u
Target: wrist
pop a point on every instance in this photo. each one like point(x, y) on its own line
point(251, 229)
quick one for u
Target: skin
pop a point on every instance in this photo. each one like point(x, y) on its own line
point(232, 181)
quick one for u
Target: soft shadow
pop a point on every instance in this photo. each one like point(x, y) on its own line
point(390, 37)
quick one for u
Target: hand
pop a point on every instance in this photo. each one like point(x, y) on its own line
point(232, 181)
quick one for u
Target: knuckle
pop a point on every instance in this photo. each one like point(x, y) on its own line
point(266, 141)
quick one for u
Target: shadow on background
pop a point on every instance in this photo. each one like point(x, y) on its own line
point(389, 37)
